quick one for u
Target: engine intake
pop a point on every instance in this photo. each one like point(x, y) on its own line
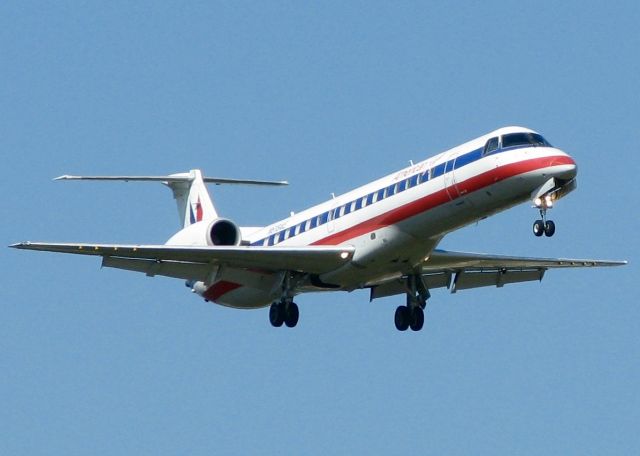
point(216, 232)
point(224, 232)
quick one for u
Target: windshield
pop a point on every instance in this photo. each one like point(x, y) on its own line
point(524, 139)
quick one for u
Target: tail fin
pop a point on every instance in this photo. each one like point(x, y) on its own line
point(189, 190)
point(192, 197)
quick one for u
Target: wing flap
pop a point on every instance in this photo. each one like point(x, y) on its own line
point(175, 269)
point(311, 259)
point(399, 285)
point(465, 280)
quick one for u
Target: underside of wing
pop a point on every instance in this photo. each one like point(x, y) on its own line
point(194, 262)
point(464, 270)
point(444, 259)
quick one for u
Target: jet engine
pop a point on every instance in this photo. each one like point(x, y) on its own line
point(219, 231)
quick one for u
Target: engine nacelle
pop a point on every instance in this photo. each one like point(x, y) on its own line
point(216, 232)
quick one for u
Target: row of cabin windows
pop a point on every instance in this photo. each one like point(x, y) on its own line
point(493, 144)
point(356, 205)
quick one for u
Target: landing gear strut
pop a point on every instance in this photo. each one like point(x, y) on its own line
point(412, 315)
point(542, 225)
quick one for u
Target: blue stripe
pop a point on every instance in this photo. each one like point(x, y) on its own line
point(439, 170)
point(470, 157)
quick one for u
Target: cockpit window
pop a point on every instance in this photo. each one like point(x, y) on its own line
point(491, 145)
point(524, 139)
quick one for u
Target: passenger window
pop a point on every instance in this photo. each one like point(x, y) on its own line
point(437, 171)
point(380, 194)
point(323, 218)
point(281, 236)
point(359, 202)
point(347, 208)
point(424, 177)
point(490, 146)
point(391, 190)
point(314, 222)
point(413, 181)
point(449, 166)
point(401, 186)
point(292, 231)
point(370, 199)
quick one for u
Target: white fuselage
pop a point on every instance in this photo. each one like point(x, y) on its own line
point(396, 221)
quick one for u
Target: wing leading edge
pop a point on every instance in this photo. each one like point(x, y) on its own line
point(465, 270)
point(193, 262)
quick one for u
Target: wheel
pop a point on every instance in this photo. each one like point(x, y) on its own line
point(292, 315)
point(549, 228)
point(275, 315)
point(402, 318)
point(417, 320)
point(538, 228)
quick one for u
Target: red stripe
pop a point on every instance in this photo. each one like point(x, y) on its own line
point(416, 207)
point(219, 289)
point(441, 197)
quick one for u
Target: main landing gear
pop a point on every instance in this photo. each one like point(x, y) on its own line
point(409, 317)
point(412, 315)
point(285, 311)
point(542, 225)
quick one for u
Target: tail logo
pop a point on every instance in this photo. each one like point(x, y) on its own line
point(195, 212)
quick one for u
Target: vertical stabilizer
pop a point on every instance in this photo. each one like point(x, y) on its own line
point(192, 197)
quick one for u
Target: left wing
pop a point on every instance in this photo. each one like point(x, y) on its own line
point(464, 270)
point(195, 262)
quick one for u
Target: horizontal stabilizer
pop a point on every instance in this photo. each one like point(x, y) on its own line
point(182, 177)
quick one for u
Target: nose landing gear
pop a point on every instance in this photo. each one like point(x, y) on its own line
point(542, 225)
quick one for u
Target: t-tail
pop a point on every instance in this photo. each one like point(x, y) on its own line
point(189, 190)
point(192, 197)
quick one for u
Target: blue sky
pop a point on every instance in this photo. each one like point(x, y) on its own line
point(328, 96)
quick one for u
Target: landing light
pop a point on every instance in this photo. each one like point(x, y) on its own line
point(537, 202)
point(344, 255)
point(548, 201)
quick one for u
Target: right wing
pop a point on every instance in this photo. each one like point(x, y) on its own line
point(464, 270)
point(194, 263)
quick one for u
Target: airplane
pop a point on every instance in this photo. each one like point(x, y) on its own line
point(382, 236)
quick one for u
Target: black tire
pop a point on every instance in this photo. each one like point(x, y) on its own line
point(417, 320)
point(293, 313)
point(549, 228)
point(275, 315)
point(402, 318)
point(538, 228)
